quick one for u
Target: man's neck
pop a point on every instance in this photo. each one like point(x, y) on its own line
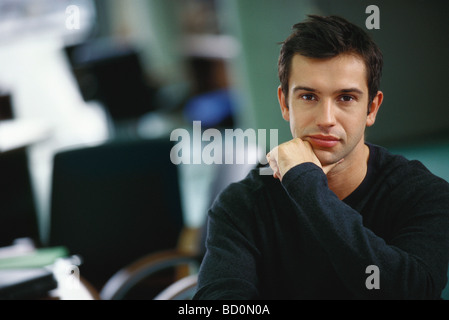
point(349, 174)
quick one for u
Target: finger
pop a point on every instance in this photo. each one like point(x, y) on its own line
point(272, 161)
point(275, 168)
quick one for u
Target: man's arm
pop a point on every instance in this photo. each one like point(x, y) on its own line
point(412, 265)
point(229, 268)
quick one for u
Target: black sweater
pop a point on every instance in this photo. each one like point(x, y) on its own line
point(297, 240)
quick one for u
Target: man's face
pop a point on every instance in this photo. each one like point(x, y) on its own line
point(327, 105)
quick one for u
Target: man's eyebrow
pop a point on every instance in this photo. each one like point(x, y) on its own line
point(349, 90)
point(346, 90)
point(298, 88)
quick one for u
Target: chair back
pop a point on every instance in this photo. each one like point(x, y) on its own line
point(18, 214)
point(114, 203)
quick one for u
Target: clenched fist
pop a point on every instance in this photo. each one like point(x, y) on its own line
point(292, 153)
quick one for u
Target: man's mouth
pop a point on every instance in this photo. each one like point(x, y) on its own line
point(323, 141)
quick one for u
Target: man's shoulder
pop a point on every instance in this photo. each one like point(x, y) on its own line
point(398, 170)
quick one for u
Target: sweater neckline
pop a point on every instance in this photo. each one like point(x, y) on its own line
point(364, 187)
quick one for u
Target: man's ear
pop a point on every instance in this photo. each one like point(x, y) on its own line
point(374, 108)
point(283, 104)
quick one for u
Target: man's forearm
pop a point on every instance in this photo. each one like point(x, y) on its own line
point(351, 246)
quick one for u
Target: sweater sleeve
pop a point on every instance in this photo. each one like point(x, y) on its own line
point(413, 265)
point(229, 268)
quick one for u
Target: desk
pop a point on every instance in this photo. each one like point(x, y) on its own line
point(70, 284)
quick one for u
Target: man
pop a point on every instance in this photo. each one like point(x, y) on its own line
point(340, 218)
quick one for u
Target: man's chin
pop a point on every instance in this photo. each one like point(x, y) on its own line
point(326, 157)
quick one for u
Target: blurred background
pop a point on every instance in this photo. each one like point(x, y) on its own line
point(89, 87)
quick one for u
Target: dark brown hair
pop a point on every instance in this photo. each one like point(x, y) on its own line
point(327, 37)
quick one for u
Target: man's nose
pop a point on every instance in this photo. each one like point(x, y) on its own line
point(326, 113)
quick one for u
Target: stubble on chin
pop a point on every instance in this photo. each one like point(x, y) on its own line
point(328, 157)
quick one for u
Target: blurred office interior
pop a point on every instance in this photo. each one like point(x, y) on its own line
point(78, 74)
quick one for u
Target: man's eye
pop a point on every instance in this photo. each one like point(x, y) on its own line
point(346, 98)
point(308, 97)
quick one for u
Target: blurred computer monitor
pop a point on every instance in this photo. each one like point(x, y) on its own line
point(112, 73)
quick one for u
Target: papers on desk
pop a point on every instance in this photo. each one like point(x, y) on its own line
point(26, 272)
point(26, 283)
point(36, 259)
point(20, 133)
